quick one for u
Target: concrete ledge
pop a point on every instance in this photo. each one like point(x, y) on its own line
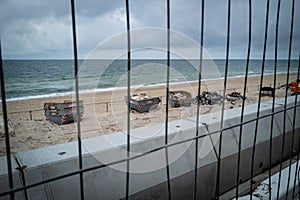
point(4, 181)
point(263, 192)
point(148, 173)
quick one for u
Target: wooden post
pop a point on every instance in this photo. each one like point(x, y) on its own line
point(106, 106)
point(30, 115)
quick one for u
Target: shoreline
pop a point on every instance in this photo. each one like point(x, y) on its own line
point(105, 112)
point(193, 84)
point(110, 89)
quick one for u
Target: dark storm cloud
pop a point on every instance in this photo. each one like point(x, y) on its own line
point(42, 29)
point(31, 9)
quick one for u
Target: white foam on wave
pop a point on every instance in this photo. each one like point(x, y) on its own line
point(96, 90)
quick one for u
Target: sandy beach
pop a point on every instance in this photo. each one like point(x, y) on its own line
point(106, 112)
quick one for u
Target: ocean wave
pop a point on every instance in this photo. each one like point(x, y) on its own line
point(48, 82)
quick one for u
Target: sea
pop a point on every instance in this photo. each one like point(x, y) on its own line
point(30, 79)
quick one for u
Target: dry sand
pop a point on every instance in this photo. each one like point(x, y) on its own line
point(106, 112)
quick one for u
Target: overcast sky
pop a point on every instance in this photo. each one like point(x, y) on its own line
point(39, 29)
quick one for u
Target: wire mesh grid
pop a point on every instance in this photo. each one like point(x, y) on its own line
point(166, 147)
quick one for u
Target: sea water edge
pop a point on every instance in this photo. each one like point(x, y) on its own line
point(71, 89)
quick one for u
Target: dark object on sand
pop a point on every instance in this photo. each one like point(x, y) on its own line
point(234, 96)
point(63, 113)
point(142, 102)
point(267, 91)
point(180, 98)
point(293, 86)
point(209, 98)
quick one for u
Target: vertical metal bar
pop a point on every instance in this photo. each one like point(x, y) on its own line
point(223, 105)
point(77, 97)
point(294, 124)
point(259, 96)
point(128, 96)
point(243, 103)
point(198, 100)
point(5, 120)
point(167, 98)
point(285, 104)
point(273, 102)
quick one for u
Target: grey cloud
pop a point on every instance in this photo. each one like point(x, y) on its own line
point(44, 27)
point(216, 28)
point(31, 9)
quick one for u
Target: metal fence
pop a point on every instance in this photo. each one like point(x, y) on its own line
point(81, 171)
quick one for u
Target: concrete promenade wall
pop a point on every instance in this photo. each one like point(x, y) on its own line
point(148, 173)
